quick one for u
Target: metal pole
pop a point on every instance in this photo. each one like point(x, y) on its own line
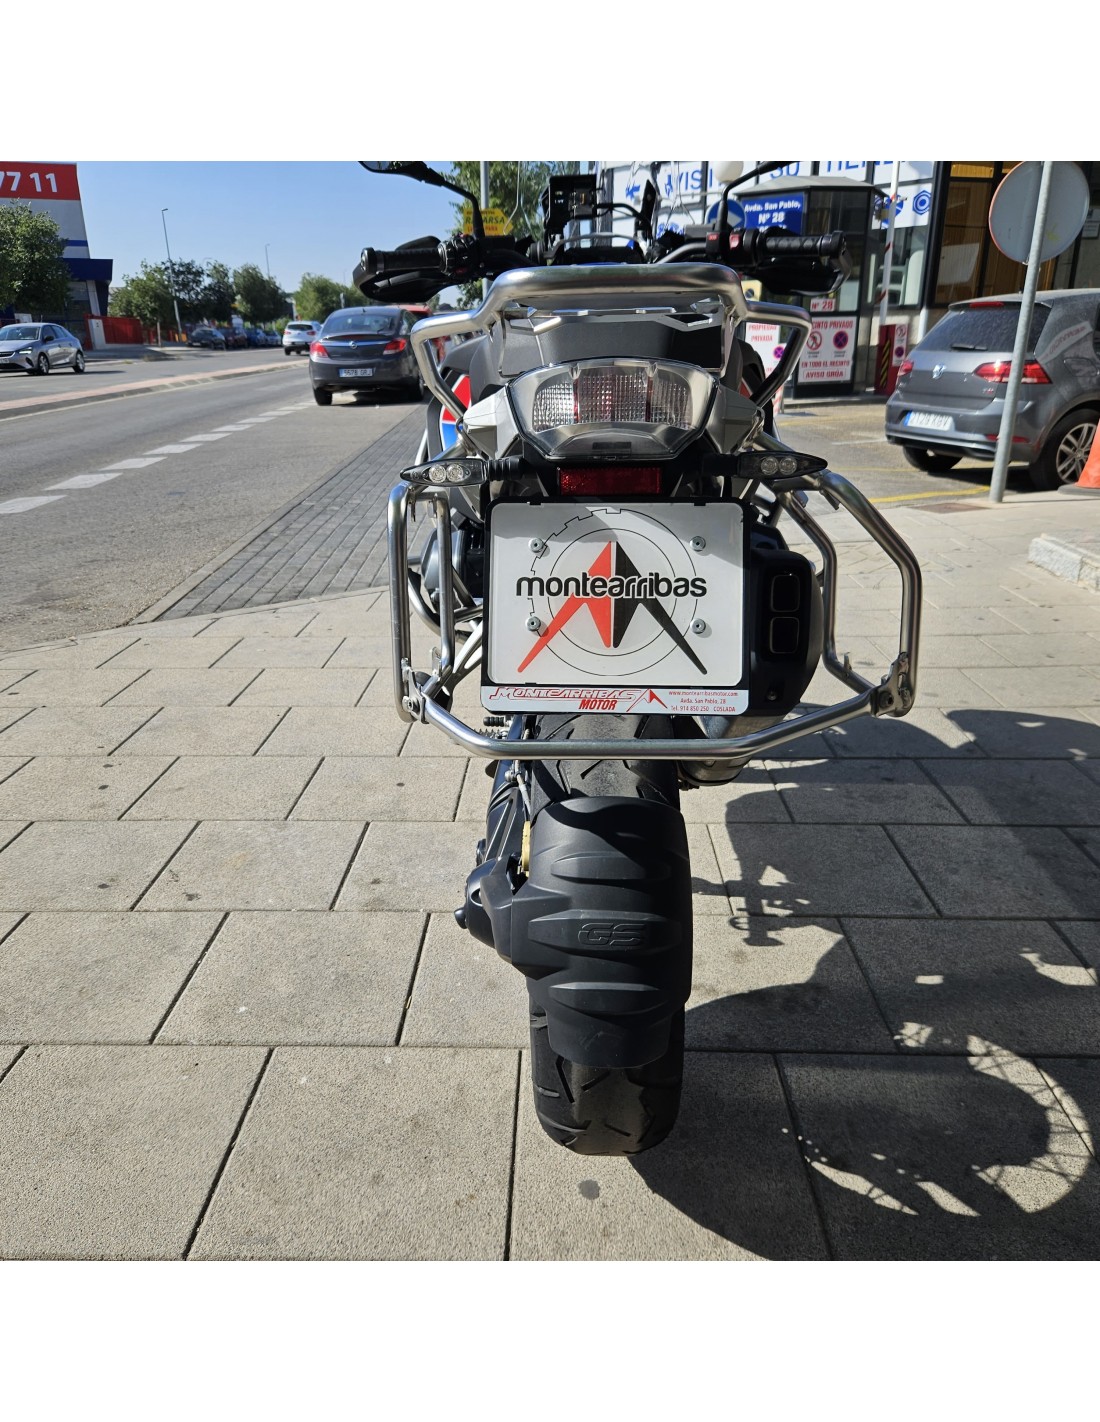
point(171, 273)
point(1019, 350)
point(484, 205)
point(888, 255)
point(267, 259)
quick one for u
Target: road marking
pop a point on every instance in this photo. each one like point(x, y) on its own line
point(207, 437)
point(22, 505)
point(86, 481)
point(172, 448)
point(229, 429)
point(934, 494)
point(131, 464)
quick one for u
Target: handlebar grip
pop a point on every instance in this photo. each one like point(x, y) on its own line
point(377, 262)
point(774, 243)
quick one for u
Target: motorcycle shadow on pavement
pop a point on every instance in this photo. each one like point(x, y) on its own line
point(893, 1051)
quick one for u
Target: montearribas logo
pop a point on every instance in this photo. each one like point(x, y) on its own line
point(614, 593)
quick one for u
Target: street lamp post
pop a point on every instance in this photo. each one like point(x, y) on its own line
point(171, 273)
point(267, 259)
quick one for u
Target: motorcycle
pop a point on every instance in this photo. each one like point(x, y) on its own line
point(604, 489)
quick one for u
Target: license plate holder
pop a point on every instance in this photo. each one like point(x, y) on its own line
point(925, 420)
point(616, 607)
point(352, 372)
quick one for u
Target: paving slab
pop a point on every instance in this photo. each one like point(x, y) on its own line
point(708, 888)
point(204, 730)
point(282, 622)
point(1021, 688)
point(1041, 732)
point(750, 799)
point(368, 1153)
point(334, 730)
point(726, 1184)
point(305, 686)
point(1088, 840)
point(75, 730)
point(8, 922)
point(85, 865)
point(95, 977)
point(414, 865)
point(427, 741)
point(7, 1056)
point(1075, 1082)
point(10, 830)
point(801, 871)
point(850, 791)
point(382, 788)
point(303, 651)
point(193, 652)
point(944, 1158)
point(78, 787)
point(78, 686)
point(1085, 940)
point(226, 787)
point(9, 764)
point(1019, 792)
point(989, 872)
point(359, 651)
point(465, 994)
point(1051, 649)
point(944, 688)
point(244, 864)
point(779, 985)
point(87, 652)
point(110, 1152)
point(1016, 984)
point(186, 686)
point(299, 978)
point(1043, 620)
point(963, 651)
point(921, 734)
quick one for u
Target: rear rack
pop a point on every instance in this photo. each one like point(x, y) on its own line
point(419, 695)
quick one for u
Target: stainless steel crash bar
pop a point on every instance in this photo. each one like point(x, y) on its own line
point(414, 692)
point(547, 288)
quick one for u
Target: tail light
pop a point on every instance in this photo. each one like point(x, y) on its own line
point(395, 347)
point(998, 371)
point(316, 348)
point(610, 480)
point(905, 368)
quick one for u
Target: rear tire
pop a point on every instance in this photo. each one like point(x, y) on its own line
point(929, 462)
point(595, 1110)
point(323, 397)
point(1063, 457)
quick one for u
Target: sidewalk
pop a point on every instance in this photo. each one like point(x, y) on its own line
point(237, 1019)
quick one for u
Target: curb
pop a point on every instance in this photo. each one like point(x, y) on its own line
point(13, 410)
point(1075, 559)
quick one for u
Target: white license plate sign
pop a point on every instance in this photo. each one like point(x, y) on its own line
point(601, 608)
point(353, 370)
point(922, 420)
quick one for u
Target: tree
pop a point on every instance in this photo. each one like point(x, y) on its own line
point(146, 296)
point(189, 280)
point(514, 188)
point(33, 274)
point(217, 296)
point(259, 297)
point(318, 297)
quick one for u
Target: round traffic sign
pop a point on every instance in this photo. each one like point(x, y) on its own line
point(1013, 209)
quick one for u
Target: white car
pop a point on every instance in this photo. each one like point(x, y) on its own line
point(298, 335)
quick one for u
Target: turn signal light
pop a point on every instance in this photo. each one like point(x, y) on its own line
point(998, 371)
point(607, 480)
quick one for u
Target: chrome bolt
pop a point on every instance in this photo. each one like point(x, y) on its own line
point(533, 623)
point(537, 546)
point(698, 543)
point(698, 626)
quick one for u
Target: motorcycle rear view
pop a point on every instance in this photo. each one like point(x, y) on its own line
point(605, 555)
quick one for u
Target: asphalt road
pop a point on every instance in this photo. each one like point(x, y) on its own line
point(194, 479)
point(108, 506)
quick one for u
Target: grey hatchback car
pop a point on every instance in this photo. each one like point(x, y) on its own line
point(36, 348)
point(365, 348)
point(951, 390)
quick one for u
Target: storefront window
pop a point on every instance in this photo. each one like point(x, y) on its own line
point(964, 233)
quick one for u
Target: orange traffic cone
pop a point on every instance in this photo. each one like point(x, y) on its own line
point(1089, 482)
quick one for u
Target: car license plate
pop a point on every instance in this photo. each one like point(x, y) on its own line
point(601, 608)
point(922, 420)
point(351, 371)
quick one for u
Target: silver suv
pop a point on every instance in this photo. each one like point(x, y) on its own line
point(950, 393)
point(298, 335)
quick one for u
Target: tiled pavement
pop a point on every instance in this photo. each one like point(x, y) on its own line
point(237, 1019)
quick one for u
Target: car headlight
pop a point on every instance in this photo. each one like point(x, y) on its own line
point(616, 409)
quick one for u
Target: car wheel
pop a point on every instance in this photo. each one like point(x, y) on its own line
point(287, 351)
point(78, 363)
point(323, 397)
point(1063, 456)
point(929, 462)
point(42, 364)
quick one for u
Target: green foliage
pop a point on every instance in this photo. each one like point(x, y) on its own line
point(33, 276)
point(146, 296)
point(259, 298)
point(515, 188)
point(189, 280)
point(217, 293)
point(318, 297)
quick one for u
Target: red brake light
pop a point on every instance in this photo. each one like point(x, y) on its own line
point(316, 348)
point(998, 372)
point(395, 347)
point(611, 479)
point(983, 305)
point(905, 368)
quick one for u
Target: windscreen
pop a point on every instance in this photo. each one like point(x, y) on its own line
point(19, 333)
point(983, 328)
point(362, 323)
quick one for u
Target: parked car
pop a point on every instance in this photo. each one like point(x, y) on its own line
point(255, 337)
point(951, 389)
point(299, 335)
point(273, 338)
point(364, 348)
point(235, 338)
point(208, 337)
point(37, 348)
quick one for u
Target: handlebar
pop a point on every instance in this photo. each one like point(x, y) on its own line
point(377, 262)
